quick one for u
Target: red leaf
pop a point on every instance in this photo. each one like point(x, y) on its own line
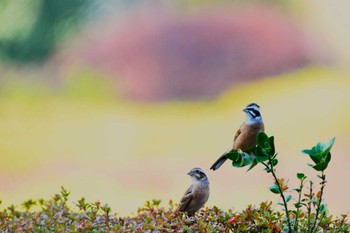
point(233, 220)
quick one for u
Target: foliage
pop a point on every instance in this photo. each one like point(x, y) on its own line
point(320, 155)
point(316, 216)
point(56, 216)
point(51, 21)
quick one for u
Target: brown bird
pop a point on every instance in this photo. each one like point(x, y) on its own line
point(197, 194)
point(245, 138)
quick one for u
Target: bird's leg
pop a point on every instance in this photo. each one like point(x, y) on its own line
point(252, 154)
point(191, 218)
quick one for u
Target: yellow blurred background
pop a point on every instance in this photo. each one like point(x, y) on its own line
point(118, 101)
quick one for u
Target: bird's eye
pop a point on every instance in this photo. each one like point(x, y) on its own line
point(200, 175)
point(253, 112)
point(199, 172)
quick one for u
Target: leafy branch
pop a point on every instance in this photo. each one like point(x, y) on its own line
point(299, 203)
point(264, 153)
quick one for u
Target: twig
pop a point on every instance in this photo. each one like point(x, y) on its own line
point(299, 205)
point(281, 192)
point(309, 210)
point(323, 184)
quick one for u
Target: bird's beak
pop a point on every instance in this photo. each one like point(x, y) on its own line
point(190, 173)
point(245, 110)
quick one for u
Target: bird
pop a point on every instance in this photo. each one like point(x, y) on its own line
point(197, 194)
point(245, 137)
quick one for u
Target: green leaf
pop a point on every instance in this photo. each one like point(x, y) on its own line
point(321, 152)
point(307, 151)
point(274, 162)
point(328, 157)
point(326, 148)
point(301, 176)
point(275, 189)
point(262, 139)
point(320, 167)
point(268, 170)
point(288, 198)
point(261, 155)
point(238, 162)
point(274, 156)
point(252, 165)
point(240, 159)
point(316, 158)
point(272, 145)
point(323, 208)
point(297, 205)
point(232, 155)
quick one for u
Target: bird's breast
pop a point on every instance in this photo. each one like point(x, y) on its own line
point(202, 193)
point(247, 139)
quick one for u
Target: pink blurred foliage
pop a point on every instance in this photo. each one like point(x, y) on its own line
point(160, 55)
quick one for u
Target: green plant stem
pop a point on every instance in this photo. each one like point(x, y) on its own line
point(299, 204)
point(321, 218)
point(284, 201)
point(309, 210)
point(323, 184)
point(281, 192)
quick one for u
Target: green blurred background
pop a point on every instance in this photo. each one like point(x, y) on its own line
point(117, 100)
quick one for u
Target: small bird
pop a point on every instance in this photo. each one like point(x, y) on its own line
point(245, 138)
point(197, 194)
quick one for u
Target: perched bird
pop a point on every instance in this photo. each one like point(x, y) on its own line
point(197, 194)
point(245, 138)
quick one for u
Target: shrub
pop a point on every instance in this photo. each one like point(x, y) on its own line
point(56, 216)
point(315, 217)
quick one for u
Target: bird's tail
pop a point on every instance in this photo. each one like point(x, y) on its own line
point(219, 162)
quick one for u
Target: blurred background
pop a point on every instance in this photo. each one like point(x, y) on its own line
point(118, 100)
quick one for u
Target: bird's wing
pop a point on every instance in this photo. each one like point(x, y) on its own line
point(237, 133)
point(186, 199)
